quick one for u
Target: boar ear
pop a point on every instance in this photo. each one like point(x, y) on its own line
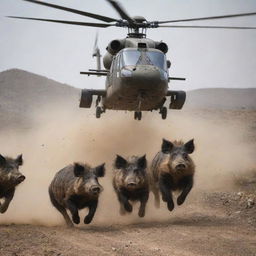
point(100, 170)
point(142, 162)
point(120, 162)
point(166, 146)
point(189, 146)
point(2, 160)
point(19, 160)
point(78, 170)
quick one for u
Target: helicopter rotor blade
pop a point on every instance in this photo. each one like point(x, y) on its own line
point(89, 24)
point(87, 14)
point(214, 27)
point(95, 47)
point(96, 40)
point(117, 6)
point(209, 18)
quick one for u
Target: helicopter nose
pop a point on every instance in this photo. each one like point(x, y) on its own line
point(146, 73)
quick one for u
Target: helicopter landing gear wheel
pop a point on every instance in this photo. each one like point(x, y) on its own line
point(98, 112)
point(163, 112)
point(137, 115)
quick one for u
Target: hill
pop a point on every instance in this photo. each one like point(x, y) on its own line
point(222, 98)
point(23, 94)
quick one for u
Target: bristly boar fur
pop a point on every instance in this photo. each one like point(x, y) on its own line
point(131, 183)
point(76, 187)
point(172, 169)
point(10, 177)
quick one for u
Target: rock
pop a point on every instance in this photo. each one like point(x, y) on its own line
point(250, 203)
point(240, 194)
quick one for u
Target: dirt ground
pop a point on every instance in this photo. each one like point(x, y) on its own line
point(218, 218)
point(195, 230)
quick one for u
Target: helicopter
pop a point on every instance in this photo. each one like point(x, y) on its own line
point(136, 67)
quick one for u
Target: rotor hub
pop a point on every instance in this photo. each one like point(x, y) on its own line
point(139, 19)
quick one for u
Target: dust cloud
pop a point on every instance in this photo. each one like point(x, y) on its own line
point(62, 135)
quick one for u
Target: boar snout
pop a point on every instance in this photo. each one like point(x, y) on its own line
point(95, 190)
point(180, 167)
point(20, 179)
point(131, 184)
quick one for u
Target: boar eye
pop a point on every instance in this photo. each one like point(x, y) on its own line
point(185, 155)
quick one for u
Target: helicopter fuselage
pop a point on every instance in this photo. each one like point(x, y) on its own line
point(137, 78)
point(137, 81)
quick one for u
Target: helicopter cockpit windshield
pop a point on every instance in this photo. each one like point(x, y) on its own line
point(133, 57)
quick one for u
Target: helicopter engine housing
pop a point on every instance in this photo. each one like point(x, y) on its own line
point(112, 49)
point(163, 47)
point(115, 46)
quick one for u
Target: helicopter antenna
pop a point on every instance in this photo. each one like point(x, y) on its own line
point(96, 52)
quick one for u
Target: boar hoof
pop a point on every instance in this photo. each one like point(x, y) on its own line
point(87, 220)
point(164, 198)
point(128, 207)
point(3, 209)
point(70, 224)
point(180, 200)
point(76, 219)
point(141, 213)
point(170, 206)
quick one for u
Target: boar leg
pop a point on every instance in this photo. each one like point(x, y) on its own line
point(188, 184)
point(124, 202)
point(165, 185)
point(92, 210)
point(61, 209)
point(143, 202)
point(64, 213)
point(7, 200)
point(74, 211)
point(122, 211)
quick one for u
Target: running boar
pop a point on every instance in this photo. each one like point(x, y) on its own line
point(76, 187)
point(172, 169)
point(10, 177)
point(130, 183)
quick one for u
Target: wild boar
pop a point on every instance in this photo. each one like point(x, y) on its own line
point(131, 183)
point(76, 187)
point(172, 169)
point(10, 177)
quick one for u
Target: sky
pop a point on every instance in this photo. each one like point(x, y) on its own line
point(206, 58)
